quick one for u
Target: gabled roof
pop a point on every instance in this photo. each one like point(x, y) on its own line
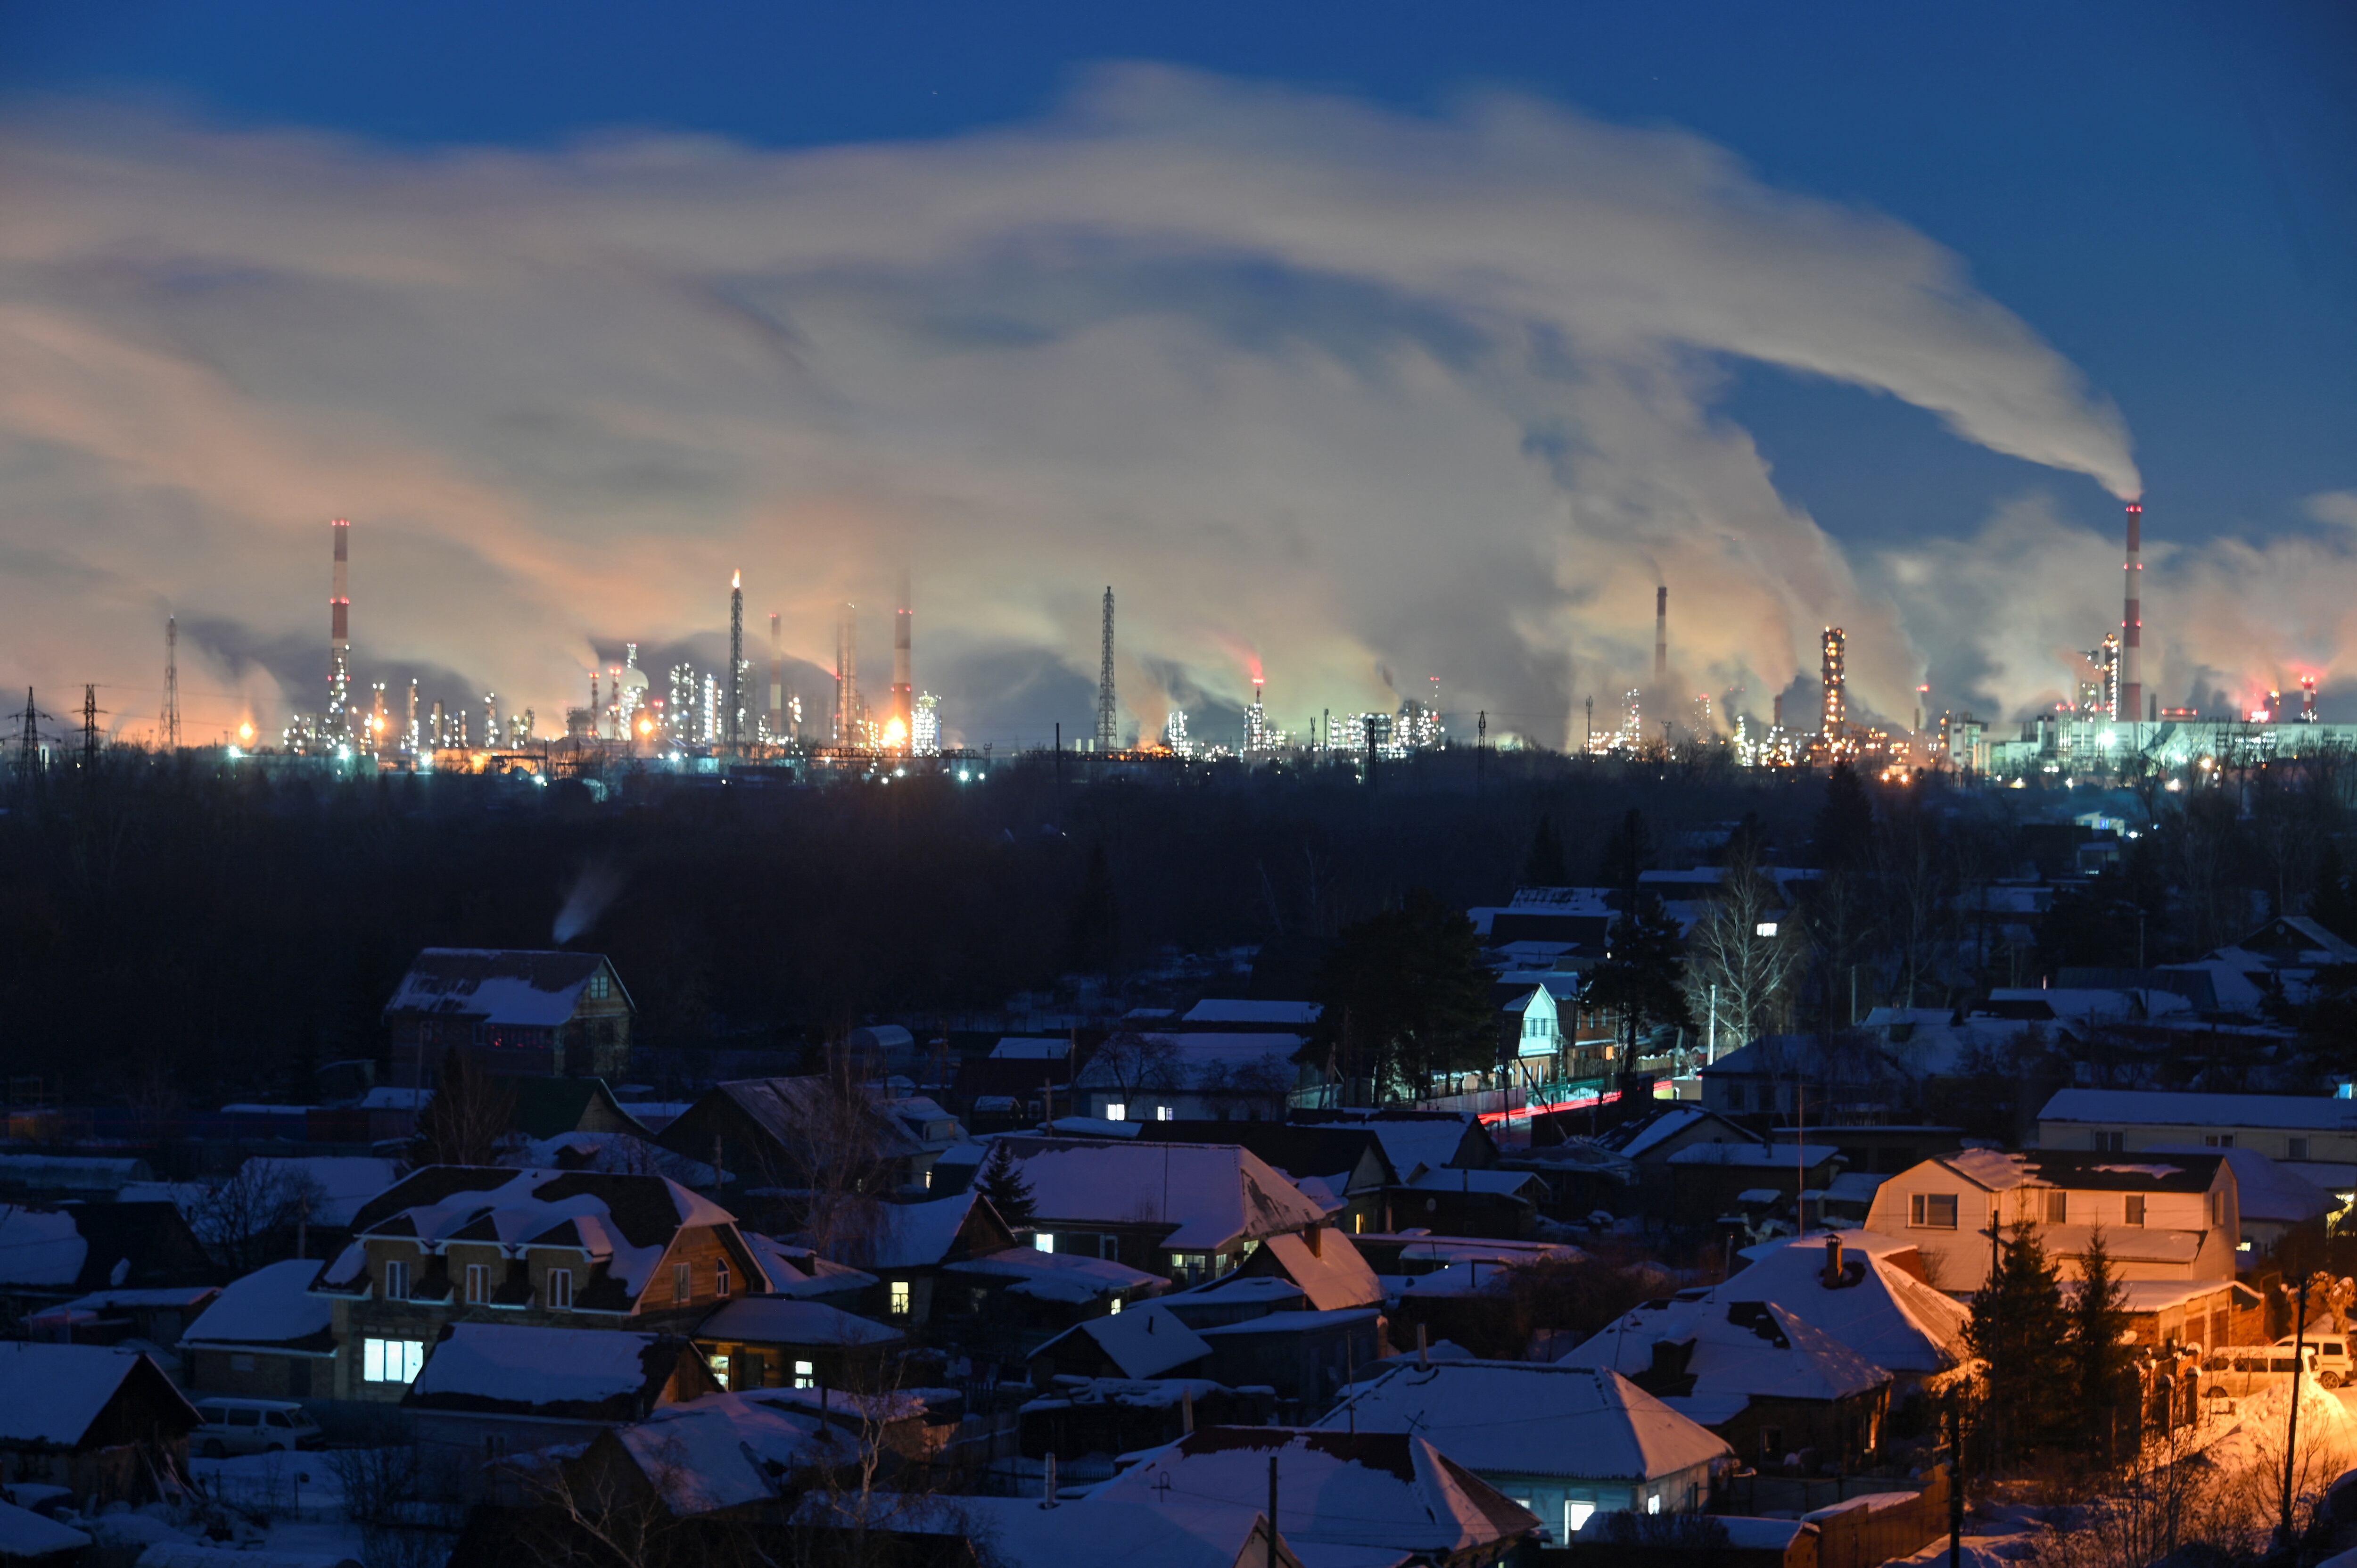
point(2292, 1113)
point(1881, 1309)
point(788, 1110)
point(1211, 1196)
point(2301, 936)
point(1332, 1151)
point(727, 1451)
point(925, 1235)
point(1072, 1278)
point(1578, 1421)
point(1383, 1489)
point(536, 990)
point(1999, 1170)
point(1144, 1342)
point(1253, 1012)
point(1431, 1139)
point(583, 1374)
point(52, 1395)
point(1751, 1349)
point(776, 1320)
point(1331, 1275)
point(270, 1309)
point(2263, 1190)
point(1636, 1140)
point(800, 1271)
point(549, 1107)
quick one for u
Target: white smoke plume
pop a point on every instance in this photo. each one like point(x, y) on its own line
point(587, 899)
point(1314, 384)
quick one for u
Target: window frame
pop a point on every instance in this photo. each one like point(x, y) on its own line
point(1919, 1212)
point(720, 1279)
point(557, 1289)
point(396, 1279)
point(900, 1299)
point(479, 1284)
point(2132, 1210)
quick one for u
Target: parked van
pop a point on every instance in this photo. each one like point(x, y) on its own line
point(252, 1426)
point(2328, 1358)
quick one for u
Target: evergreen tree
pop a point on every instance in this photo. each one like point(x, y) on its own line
point(1543, 866)
point(1090, 944)
point(1845, 821)
point(1405, 997)
point(2021, 1334)
point(2102, 1380)
point(1644, 974)
point(2333, 905)
point(1003, 1183)
point(1627, 849)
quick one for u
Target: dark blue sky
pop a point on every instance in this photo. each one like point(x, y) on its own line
point(2166, 192)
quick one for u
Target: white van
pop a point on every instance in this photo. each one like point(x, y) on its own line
point(2328, 1358)
point(252, 1426)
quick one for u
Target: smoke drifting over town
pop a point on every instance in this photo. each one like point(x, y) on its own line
point(1319, 388)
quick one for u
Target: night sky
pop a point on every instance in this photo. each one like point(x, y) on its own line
point(1355, 343)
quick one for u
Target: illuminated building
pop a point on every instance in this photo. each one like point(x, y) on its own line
point(1259, 739)
point(1174, 733)
point(925, 726)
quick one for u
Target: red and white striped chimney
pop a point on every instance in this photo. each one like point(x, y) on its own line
point(2132, 623)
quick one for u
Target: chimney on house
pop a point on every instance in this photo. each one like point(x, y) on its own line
point(1833, 1262)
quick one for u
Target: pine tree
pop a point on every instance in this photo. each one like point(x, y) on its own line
point(1844, 821)
point(2099, 1361)
point(1626, 850)
point(2021, 1334)
point(1543, 866)
point(1003, 1183)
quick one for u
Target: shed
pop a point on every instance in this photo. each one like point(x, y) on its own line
point(105, 1424)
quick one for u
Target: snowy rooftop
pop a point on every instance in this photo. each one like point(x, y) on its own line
point(1031, 1048)
point(1268, 1014)
point(271, 1307)
point(918, 1235)
point(2292, 1113)
point(589, 1373)
point(800, 1271)
point(1144, 1342)
point(1378, 1490)
point(1072, 1278)
point(2263, 1190)
point(727, 1450)
point(1757, 1156)
point(1333, 1276)
point(1024, 1532)
point(772, 1321)
point(1885, 1313)
point(2001, 1170)
point(537, 989)
point(51, 1394)
point(1562, 1420)
point(1411, 1139)
point(1213, 1196)
point(1756, 1349)
point(39, 1246)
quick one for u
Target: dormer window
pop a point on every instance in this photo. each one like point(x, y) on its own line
point(720, 1279)
point(601, 985)
point(396, 1280)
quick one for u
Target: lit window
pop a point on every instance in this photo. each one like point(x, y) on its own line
point(682, 1282)
point(1764, 928)
point(1574, 1514)
point(1932, 1210)
point(900, 1298)
point(1116, 1111)
point(805, 1374)
point(1162, 1113)
point(396, 1280)
point(1653, 1502)
point(1043, 1241)
point(1113, 1310)
point(391, 1361)
point(560, 1289)
point(720, 1278)
point(601, 985)
point(478, 1283)
point(719, 1365)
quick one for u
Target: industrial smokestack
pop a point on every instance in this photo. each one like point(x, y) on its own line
point(1833, 672)
point(1662, 633)
point(1108, 708)
point(340, 638)
point(904, 707)
point(846, 680)
point(734, 722)
point(777, 677)
point(2132, 621)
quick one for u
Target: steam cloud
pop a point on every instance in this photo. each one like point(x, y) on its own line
point(592, 890)
point(1315, 386)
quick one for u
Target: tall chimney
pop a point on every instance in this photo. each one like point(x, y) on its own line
point(1833, 719)
point(904, 707)
point(846, 680)
point(777, 677)
point(340, 638)
point(2132, 621)
point(733, 724)
point(1662, 633)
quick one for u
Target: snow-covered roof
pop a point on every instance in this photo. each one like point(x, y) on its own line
point(1887, 1314)
point(1291, 1322)
point(917, 1235)
point(1379, 1490)
point(537, 989)
point(1024, 1533)
point(589, 1373)
point(40, 1246)
point(1031, 1048)
point(1072, 1278)
point(2087, 1006)
point(2265, 1191)
point(727, 1450)
point(51, 1394)
point(1144, 1342)
point(390, 1097)
point(1756, 1349)
point(1426, 1140)
point(1757, 1156)
point(1268, 1013)
point(1494, 1182)
point(1579, 1422)
point(1634, 1140)
point(2159, 1295)
point(1332, 1275)
point(24, 1533)
point(2003, 1170)
point(771, 1320)
point(270, 1308)
point(339, 1183)
point(2150, 1107)
point(800, 1271)
point(1211, 1195)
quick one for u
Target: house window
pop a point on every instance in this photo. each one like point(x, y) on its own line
point(719, 1365)
point(1116, 1111)
point(2058, 1207)
point(391, 1361)
point(1043, 1241)
point(2218, 1140)
point(2298, 1149)
point(900, 1298)
point(1932, 1211)
point(2110, 1142)
point(1112, 1308)
point(720, 1278)
point(1574, 1514)
point(682, 1282)
point(396, 1280)
point(560, 1289)
point(478, 1283)
point(2217, 1208)
point(1162, 1113)
point(805, 1374)
point(1653, 1502)
point(2135, 1210)
point(601, 986)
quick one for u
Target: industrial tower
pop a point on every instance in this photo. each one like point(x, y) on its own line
point(2131, 706)
point(1108, 709)
point(904, 710)
point(736, 717)
point(339, 641)
point(1832, 673)
point(171, 738)
point(1660, 634)
point(846, 679)
point(777, 679)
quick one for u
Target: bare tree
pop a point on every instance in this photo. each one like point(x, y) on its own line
point(1136, 1064)
point(1742, 958)
point(244, 1221)
point(472, 1111)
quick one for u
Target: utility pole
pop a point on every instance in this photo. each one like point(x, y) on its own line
point(1272, 1511)
point(2291, 1425)
point(170, 735)
point(1955, 1479)
point(1590, 744)
point(1481, 750)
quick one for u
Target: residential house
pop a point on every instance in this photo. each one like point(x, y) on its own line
point(104, 1423)
point(1709, 1181)
point(790, 1135)
point(489, 1389)
point(1580, 1438)
point(766, 1341)
point(1754, 1373)
point(2276, 1204)
point(552, 1249)
point(265, 1337)
point(2205, 1315)
point(1234, 1014)
point(1188, 1211)
point(551, 1106)
point(150, 1319)
point(1023, 1534)
point(1341, 1167)
point(1850, 1076)
point(2170, 1217)
point(1321, 1262)
point(1150, 1342)
point(1306, 1357)
point(50, 1256)
point(518, 1014)
point(1385, 1491)
point(1880, 1304)
point(70, 1178)
point(2314, 1135)
point(1223, 1076)
point(1418, 1141)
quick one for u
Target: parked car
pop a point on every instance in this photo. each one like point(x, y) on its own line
point(252, 1426)
point(2328, 1358)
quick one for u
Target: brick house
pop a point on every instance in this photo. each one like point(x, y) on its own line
point(266, 1336)
point(552, 1249)
point(517, 1014)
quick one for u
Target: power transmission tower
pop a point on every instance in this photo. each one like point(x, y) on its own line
point(90, 726)
point(171, 735)
point(29, 744)
point(1108, 709)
